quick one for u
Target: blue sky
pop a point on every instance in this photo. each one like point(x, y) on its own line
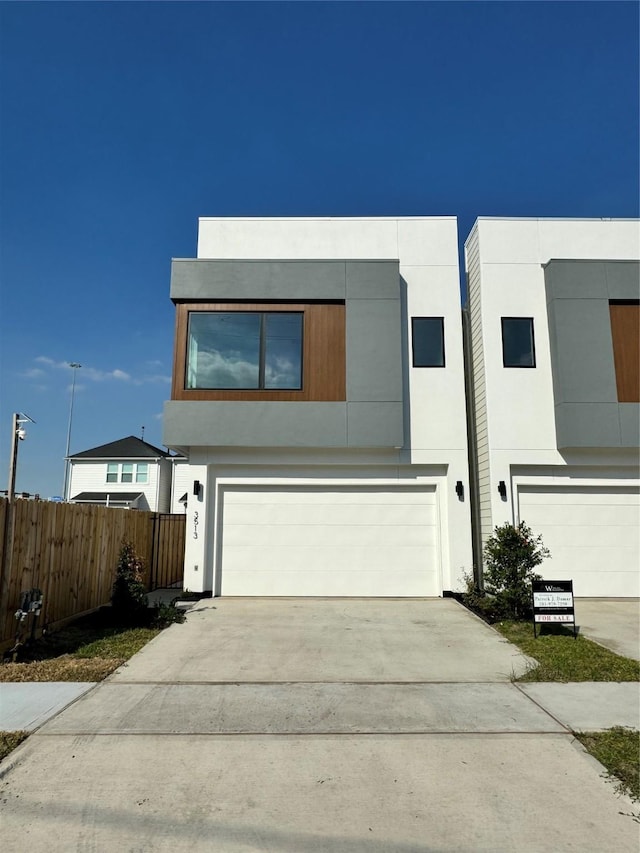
point(124, 122)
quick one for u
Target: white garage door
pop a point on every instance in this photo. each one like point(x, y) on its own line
point(329, 541)
point(593, 535)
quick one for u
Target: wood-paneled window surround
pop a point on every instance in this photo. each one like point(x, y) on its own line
point(625, 332)
point(259, 351)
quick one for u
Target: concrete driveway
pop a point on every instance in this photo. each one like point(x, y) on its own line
point(312, 725)
point(612, 622)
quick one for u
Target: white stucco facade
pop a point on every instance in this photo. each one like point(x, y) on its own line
point(343, 521)
point(584, 500)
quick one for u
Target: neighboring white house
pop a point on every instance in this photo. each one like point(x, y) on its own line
point(553, 318)
point(319, 395)
point(127, 473)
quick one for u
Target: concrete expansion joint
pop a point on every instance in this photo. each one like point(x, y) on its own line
point(541, 707)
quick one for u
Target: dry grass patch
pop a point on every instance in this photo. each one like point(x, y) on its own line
point(9, 741)
point(89, 650)
point(63, 668)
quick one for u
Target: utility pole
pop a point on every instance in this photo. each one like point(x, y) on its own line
point(17, 434)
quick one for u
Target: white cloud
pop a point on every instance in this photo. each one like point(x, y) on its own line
point(230, 370)
point(94, 374)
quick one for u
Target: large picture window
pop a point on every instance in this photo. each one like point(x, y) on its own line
point(244, 350)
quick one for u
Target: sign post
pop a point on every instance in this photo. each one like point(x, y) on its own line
point(553, 602)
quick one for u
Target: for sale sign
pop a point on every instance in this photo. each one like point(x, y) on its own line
point(553, 602)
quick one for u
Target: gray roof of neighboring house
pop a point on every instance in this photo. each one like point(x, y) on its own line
point(101, 497)
point(125, 448)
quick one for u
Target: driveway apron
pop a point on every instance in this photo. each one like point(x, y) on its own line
point(312, 725)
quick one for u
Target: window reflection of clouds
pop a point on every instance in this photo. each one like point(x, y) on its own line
point(224, 350)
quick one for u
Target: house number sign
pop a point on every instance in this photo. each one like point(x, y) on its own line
point(553, 602)
point(195, 525)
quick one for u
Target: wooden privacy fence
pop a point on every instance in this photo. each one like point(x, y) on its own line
point(70, 552)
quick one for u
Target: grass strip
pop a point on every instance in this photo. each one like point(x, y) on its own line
point(618, 749)
point(87, 651)
point(9, 741)
point(560, 657)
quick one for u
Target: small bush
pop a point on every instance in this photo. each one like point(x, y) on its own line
point(129, 597)
point(476, 599)
point(511, 555)
point(166, 614)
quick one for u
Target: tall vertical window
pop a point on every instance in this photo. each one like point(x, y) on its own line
point(244, 350)
point(518, 347)
point(625, 334)
point(427, 341)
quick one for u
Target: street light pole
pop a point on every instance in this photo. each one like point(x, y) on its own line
point(17, 434)
point(74, 366)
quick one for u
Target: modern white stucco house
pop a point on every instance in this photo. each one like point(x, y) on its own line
point(319, 396)
point(127, 473)
point(553, 324)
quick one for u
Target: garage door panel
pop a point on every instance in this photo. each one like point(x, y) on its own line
point(594, 515)
point(599, 584)
point(324, 513)
point(592, 533)
point(315, 535)
point(327, 494)
point(587, 496)
point(328, 541)
point(580, 536)
point(280, 582)
point(357, 559)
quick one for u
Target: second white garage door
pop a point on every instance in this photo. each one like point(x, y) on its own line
point(593, 535)
point(328, 541)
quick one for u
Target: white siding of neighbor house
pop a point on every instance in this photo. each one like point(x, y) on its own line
point(435, 450)
point(479, 391)
point(91, 476)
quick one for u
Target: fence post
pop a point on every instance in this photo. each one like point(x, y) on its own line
point(154, 552)
point(8, 527)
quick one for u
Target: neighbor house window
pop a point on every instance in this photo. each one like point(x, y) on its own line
point(518, 348)
point(427, 337)
point(127, 472)
point(625, 335)
point(244, 350)
point(142, 472)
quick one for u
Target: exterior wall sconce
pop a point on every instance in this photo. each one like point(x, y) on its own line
point(196, 488)
point(460, 490)
point(502, 489)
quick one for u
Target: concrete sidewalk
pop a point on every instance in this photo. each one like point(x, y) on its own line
point(214, 737)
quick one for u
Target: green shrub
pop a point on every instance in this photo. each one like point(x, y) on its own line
point(476, 599)
point(511, 554)
point(164, 615)
point(129, 596)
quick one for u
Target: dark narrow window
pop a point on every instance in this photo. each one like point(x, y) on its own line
point(244, 350)
point(427, 338)
point(518, 347)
